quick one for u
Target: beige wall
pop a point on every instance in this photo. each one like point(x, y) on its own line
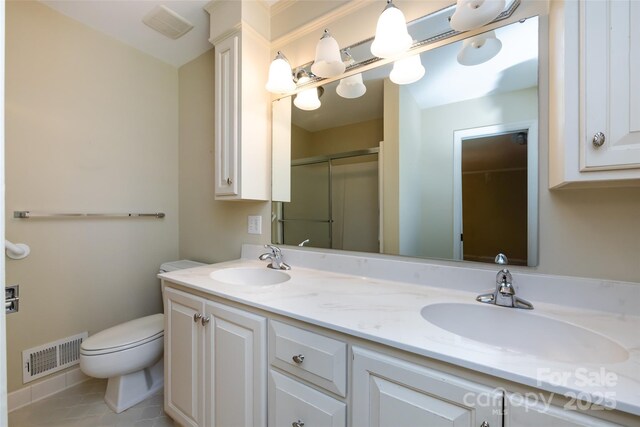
point(91, 126)
point(356, 136)
point(210, 230)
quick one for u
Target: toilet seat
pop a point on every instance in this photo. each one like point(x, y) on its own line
point(125, 336)
point(115, 349)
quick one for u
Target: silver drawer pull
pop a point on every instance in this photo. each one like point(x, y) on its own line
point(485, 424)
point(298, 423)
point(598, 141)
point(298, 358)
point(229, 181)
point(197, 317)
point(205, 320)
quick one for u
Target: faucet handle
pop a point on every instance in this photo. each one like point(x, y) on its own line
point(501, 259)
point(276, 250)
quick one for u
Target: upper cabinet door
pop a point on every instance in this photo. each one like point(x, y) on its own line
point(227, 102)
point(610, 72)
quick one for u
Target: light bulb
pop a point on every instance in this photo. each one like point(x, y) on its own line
point(351, 87)
point(328, 62)
point(307, 99)
point(392, 37)
point(472, 14)
point(479, 49)
point(407, 70)
point(280, 76)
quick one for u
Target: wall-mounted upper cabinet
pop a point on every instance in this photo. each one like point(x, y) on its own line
point(239, 33)
point(594, 94)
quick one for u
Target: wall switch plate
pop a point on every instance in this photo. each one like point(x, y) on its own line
point(255, 224)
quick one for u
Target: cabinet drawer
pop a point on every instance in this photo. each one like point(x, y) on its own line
point(307, 355)
point(294, 402)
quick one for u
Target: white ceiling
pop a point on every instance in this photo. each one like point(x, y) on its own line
point(122, 20)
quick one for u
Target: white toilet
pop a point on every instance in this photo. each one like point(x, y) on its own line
point(129, 355)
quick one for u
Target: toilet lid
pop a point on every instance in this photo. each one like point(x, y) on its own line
point(126, 334)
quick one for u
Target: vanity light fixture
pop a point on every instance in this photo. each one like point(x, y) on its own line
point(351, 87)
point(407, 70)
point(308, 99)
point(392, 37)
point(328, 62)
point(280, 75)
point(479, 49)
point(472, 14)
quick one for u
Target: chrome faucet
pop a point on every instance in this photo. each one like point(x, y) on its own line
point(504, 294)
point(275, 256)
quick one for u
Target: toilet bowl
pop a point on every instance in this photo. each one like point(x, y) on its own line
point(129, 355)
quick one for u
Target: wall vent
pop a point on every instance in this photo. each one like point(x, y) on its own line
point(46, 359)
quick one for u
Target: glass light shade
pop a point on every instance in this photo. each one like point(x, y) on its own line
point(407, 70)
point(479, 49)
point(351, 87)
point(472, 14)
point(308, 99)
point(392, 37)
point(280, 76)
point(328, 62)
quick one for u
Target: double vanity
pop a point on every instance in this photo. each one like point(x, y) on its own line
point(353, 340)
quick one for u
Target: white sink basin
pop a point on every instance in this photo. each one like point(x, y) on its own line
point(250, 276)
point(524, 332)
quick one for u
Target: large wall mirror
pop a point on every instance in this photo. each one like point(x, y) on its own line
point(445, 167)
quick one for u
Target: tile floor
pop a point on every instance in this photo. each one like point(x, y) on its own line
point(83, 406)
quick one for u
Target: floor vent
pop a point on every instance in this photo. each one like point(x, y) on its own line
point(46, 359)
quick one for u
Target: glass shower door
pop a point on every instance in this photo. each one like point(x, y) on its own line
point(308, 214)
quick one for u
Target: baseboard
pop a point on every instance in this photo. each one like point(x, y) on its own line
point(37, 391)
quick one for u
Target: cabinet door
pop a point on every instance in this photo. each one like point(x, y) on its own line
point(527, 413)
point(236, 368)
point(293, 402)
point(183, 353)
point(389, 392)
point(610, 69)
point(227, 108)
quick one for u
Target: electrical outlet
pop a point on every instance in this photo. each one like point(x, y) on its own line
point(254, 224)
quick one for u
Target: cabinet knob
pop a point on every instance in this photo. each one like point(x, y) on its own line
point(205, 320)
point(298, 358)
point(485, 424)
point(229, 181)
point(598, 139)
point(197, 317)
point(298, 423)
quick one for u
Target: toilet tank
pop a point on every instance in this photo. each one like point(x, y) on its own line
point(178, 265)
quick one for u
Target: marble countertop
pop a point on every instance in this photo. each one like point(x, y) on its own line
point(388, 312)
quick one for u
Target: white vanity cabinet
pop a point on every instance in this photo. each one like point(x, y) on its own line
point(390, 392)
point(215, 363)
point(594, 88)
point(234, 365)
point(242, 127)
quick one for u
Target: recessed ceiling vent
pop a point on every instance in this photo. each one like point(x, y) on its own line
point(167, 22)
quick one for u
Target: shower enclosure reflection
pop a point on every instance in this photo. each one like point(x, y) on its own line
point(334, 202)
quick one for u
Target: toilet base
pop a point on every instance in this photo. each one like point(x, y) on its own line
point(127, 390)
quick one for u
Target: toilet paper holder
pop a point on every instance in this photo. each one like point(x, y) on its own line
point(12, 299)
